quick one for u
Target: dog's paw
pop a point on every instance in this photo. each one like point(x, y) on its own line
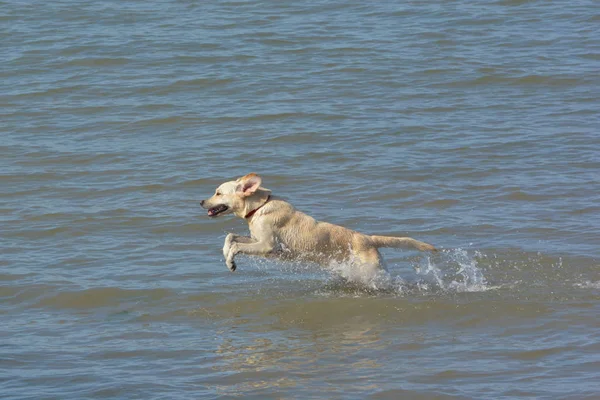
point(231, 265)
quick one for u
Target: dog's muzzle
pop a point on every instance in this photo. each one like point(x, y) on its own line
point(213, 212)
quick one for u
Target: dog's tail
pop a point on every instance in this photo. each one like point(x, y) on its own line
point(400, 242)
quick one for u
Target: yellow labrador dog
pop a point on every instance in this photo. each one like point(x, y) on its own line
point(278, 229)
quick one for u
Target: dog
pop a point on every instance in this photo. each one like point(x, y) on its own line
point(278, 229)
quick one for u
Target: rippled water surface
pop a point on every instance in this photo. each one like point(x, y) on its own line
point(470, 125)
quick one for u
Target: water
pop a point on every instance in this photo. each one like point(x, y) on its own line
point(472, 126)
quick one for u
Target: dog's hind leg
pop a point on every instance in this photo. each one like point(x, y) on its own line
point(368, 264)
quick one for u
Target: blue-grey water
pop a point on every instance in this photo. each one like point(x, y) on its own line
point(474, 126)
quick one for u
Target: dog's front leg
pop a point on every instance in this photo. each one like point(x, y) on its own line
point(254, 248)
point(232, 237)
point(229, 240)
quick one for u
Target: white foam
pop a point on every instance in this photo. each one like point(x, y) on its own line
point(588, 285)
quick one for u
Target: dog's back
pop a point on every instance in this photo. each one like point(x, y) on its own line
point(304, 237)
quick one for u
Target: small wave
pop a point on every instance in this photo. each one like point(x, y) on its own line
point(527, 80)
point(197, 83)
point(97, 61)
point(100, 297)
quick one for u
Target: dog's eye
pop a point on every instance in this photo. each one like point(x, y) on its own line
point(218, 193)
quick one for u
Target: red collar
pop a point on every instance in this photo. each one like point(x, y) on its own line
point(251, 213)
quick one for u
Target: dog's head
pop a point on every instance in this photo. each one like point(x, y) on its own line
point(234, 196)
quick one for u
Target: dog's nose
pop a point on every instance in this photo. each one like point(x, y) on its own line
point(201, 203)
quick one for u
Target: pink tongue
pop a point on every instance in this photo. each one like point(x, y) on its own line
point(210, 212)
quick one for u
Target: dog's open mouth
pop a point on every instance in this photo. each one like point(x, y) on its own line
point(213, 212)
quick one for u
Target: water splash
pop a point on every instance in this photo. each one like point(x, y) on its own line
point(356, 274)
point(451, 270)
point(454, 270)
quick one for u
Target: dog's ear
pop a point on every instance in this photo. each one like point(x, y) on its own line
point(249, 184)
